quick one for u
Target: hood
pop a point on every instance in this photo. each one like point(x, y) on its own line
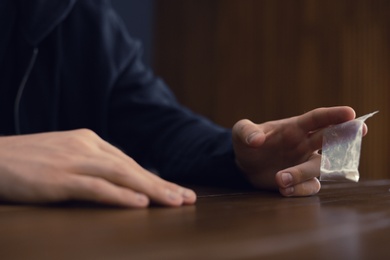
point(40, 17)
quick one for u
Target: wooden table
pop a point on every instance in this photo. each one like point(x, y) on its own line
point(345, 221)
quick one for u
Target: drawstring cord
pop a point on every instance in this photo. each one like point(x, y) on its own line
point(21, 90)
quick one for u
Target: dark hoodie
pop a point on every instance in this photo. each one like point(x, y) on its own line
point(69, 64)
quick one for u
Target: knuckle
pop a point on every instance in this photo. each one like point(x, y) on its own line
point(96, 185)
point(85, 132)
point(298, 175)
point(240, 125)
point(243, 123)
point(119, 172)
point(158, 187)
point(86, 188)
point(246, 128)
point(81, 139)
point(321, 109)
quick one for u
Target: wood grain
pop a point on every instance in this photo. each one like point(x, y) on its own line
point(344, 221)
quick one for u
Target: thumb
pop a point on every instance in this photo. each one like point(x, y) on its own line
point(249, 133)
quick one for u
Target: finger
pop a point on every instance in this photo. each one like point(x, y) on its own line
point(173, 195)
point(128, 174)
point(86, 188)
point(323, 117)
point(165, 192)
point(248, 133)
point(188, 195)
point(293, 176)
point(307, 188)
point(113, 165)
point(124, 171)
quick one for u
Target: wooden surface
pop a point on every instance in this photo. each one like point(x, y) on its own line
point(345, 221)
point(270, 59)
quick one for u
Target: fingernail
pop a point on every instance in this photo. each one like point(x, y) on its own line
point(289, 191)
point(287, 179)
point(251, 137)
point(142, 198)
point(186, 193)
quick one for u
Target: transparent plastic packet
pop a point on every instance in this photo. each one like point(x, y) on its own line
point(341, 147)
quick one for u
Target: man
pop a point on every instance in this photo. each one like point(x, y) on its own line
point(73, 85)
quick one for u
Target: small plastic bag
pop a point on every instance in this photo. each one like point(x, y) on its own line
point(341, 150)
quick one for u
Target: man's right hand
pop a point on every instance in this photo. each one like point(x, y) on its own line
point(79, 165)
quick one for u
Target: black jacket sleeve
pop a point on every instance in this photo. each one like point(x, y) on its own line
point(147, 122)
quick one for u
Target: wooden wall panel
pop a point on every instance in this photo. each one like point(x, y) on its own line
point(269, 59)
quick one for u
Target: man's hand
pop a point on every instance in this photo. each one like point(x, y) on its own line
point(283, 154)
point(78, 165)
